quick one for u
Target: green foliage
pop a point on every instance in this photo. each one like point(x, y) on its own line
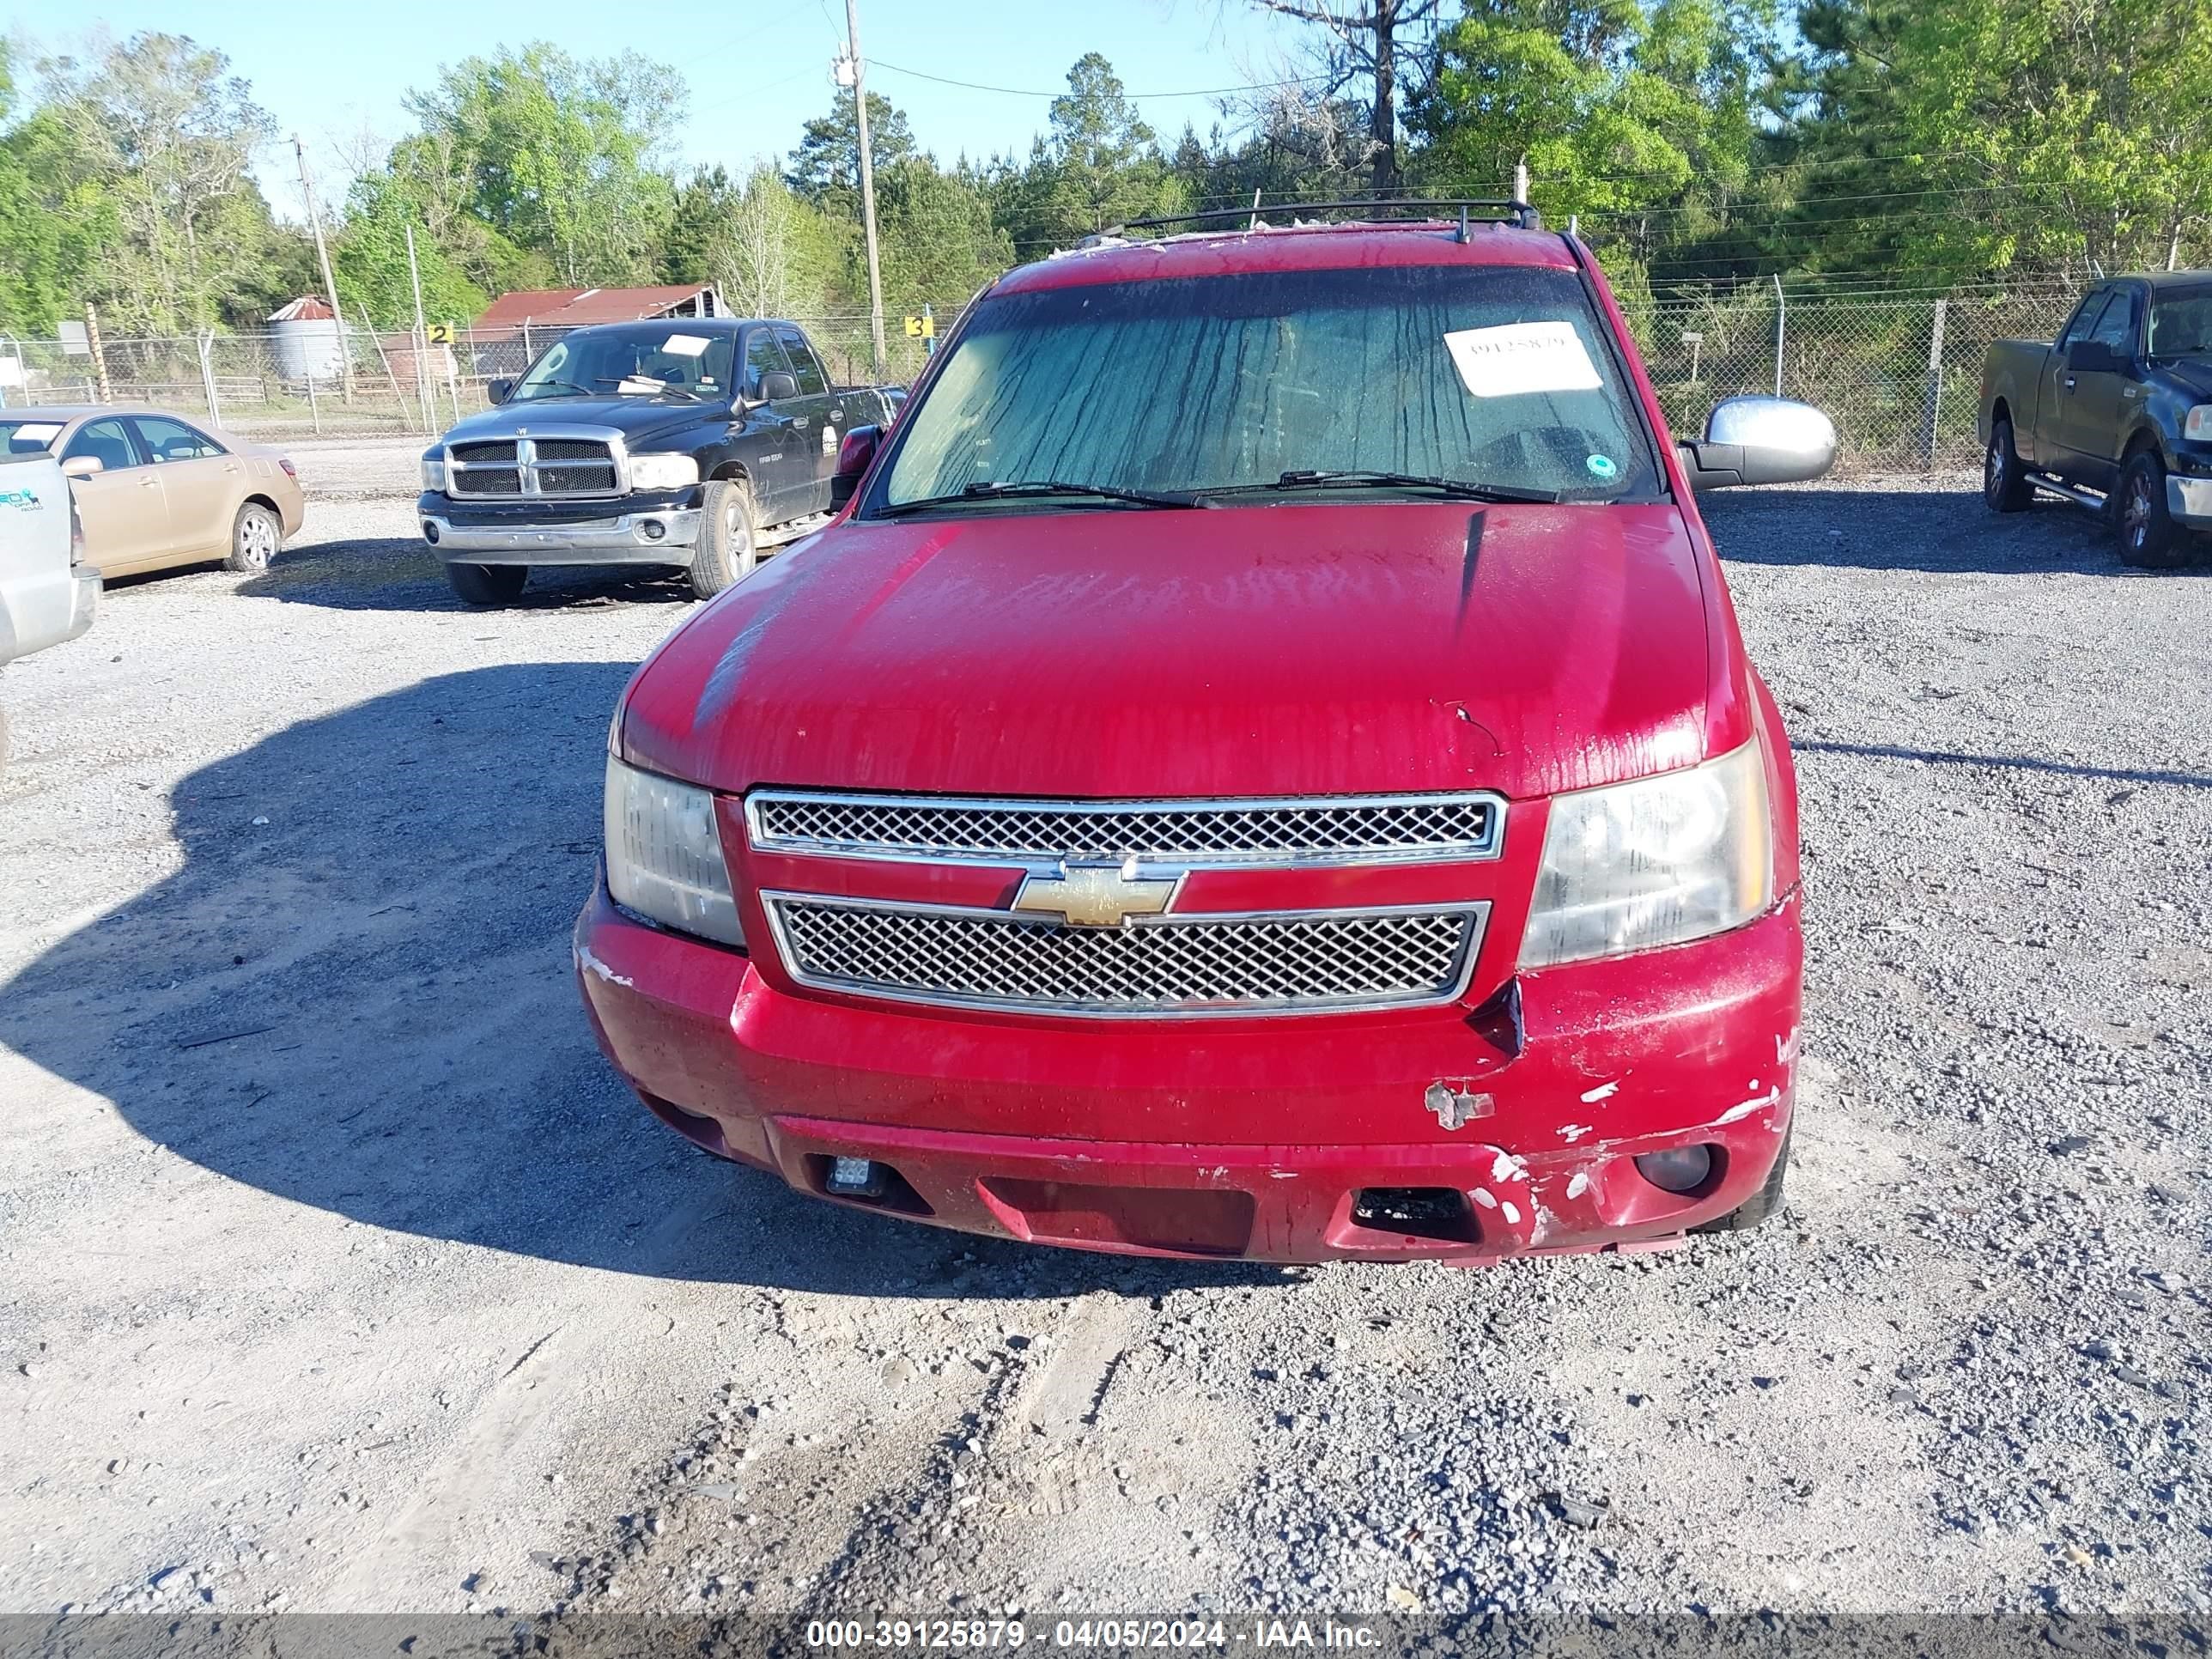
point(155, 137)
point(1098, 164)
point(371, 261)
point(2007, 136)
point(51, 225)
point(826, 169)
point(556, 156)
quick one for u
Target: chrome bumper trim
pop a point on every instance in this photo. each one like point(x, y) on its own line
point(592, 541)
point(2189, 501)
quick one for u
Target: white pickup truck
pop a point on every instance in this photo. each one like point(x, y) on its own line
point(47, 594)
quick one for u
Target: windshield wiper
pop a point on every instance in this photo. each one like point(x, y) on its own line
point(524, 394)
point(1039, 488)
point(1354, 478)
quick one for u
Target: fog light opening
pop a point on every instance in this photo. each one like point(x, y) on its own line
point(654, 530)
point(864, 1180)
point(1437, 1212)
point(856, 1177)
point(430, 532)
point(1679, 1169)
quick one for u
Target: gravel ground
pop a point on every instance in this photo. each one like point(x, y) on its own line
point(341, 1275)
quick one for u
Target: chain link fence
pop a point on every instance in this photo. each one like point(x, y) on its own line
point(1899, 374)
point(317, 381)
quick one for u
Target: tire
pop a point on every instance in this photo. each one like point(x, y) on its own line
point(486, 587)
point(2149, 539)
point(1761, 1204)
point(729, 537)
point(255, 535)
point(2004, 480)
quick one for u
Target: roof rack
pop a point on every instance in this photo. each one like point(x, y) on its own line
point(1519, 214)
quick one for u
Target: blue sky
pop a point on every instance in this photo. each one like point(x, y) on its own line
point(756, 70)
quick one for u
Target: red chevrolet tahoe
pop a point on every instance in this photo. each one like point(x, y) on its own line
point(1264, 765)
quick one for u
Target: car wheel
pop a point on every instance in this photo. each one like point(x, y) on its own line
point(729, 537)
point(2004, 481)
point(255, 536)
point(2149, 539)
point(1761, 1204)
point(486, 586)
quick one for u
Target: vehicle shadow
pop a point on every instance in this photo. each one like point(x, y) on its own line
point(356, 993)
point(1941, 527)
point(390, 573)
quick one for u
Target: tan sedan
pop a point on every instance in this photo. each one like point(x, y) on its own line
point(157, 490)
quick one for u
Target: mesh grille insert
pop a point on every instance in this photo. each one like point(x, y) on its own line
point(1287, 963)
point(1349, 831)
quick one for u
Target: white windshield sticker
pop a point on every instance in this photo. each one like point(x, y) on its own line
point(1516, 358)
point(29, 432)
point(685, 345)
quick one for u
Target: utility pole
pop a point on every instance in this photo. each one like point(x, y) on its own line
point(858, 71)
point(330, 283)
point(422, 391)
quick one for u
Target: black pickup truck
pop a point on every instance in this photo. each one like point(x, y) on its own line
point(2115, 415)
point(696, 443)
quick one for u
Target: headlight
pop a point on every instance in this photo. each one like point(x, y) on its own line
point(664, 857)
point(1658, 861)
point(662, 472)
point(2198, 425)
point(434, 473)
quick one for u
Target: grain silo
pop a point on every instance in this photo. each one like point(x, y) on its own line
point(305, 337)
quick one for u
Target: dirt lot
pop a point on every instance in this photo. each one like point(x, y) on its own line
point(341, 1275)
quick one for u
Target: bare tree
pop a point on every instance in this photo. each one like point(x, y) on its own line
point(1367, 39)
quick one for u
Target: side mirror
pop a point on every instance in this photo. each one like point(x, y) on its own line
point(82, 466)
point(2092, 357)
point(777, 386)
point(499, 391)
point(1760, 440)
point(855, 456)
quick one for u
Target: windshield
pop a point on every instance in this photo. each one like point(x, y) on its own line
point(1492, 375)
point(2180, 322)
point(647, 360)
point(27, 437)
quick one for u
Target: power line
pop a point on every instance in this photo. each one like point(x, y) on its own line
point(1062, 92)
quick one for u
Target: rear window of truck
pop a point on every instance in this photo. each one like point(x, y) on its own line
point(1493, 375)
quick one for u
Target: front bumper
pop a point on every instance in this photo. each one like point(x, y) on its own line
point(656, 536)
point(2189, 501)
point(1251, 1139)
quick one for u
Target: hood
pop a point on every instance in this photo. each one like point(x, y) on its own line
point(2192, 375)
point(635, 417)
point(1309, 649)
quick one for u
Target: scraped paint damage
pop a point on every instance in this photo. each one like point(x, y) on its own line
point(1456, 1103)
point(1603, 1092)
point(1745, 1109)
point(591, 964)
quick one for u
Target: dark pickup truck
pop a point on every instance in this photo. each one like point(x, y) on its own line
point(701, 443)
point(2116, 415)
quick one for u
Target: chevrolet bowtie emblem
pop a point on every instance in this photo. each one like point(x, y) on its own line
point(1095, 895)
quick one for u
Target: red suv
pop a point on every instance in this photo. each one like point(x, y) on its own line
point(1263, 766)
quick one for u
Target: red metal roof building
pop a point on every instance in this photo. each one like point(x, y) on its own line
point(575, 308)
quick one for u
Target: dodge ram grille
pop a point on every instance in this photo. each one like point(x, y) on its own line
point(555, 468)
point(1350, 830)
point(1290, 962)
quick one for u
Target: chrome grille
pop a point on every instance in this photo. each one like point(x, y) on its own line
point(575, 465)
point(1349, 829)
point(1294, 961)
